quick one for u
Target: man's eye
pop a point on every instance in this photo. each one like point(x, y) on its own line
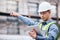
point(41, 13)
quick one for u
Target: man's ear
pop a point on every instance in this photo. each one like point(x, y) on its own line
point(49, 11)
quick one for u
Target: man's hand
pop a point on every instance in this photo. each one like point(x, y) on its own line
point(14, 14)
point(32, 33)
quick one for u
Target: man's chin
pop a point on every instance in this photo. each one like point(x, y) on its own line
point(44, 19)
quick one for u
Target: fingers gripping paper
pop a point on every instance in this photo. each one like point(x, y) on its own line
point(37, 29)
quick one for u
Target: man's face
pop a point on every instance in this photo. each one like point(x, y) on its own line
point(45, 15)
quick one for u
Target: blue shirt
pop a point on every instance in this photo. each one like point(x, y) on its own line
point(52, 33)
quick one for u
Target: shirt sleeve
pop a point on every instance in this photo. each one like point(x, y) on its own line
point(52, 34)
point(26, 20)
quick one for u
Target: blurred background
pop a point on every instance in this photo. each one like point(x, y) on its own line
point(29, 8)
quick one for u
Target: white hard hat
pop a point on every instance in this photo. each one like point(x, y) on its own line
point(44, 6)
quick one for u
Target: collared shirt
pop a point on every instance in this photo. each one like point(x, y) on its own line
point(53, 31)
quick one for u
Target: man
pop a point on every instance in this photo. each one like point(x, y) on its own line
point(49, 27)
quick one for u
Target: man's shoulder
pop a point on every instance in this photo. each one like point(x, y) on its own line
point(54, 26)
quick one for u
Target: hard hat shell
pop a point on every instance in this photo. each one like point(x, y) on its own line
point(44, 6)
